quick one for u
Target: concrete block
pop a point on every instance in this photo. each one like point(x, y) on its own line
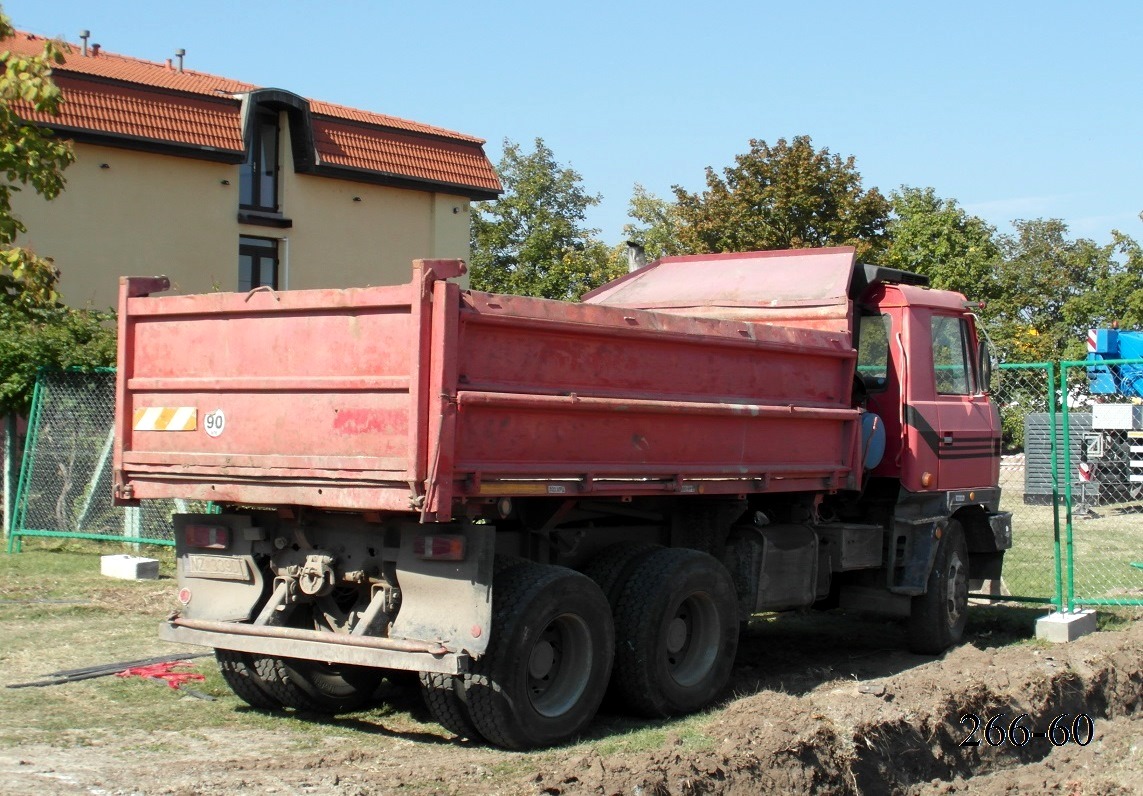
point(128, 567)
point(1063, 627)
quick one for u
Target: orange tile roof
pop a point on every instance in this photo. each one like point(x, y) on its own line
point(128, 111)
point(115, 95)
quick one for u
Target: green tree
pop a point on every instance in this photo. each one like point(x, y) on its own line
point(35, 328)
point(1052, 289)
point(787, 196)
point(937, 238)
point(533, 240)
point(657, 224)
point(29, 155)
point(53, 336)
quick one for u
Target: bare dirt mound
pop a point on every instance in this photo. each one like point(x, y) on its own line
point(903, 733)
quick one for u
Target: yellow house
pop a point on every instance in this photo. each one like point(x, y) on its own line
point(223, 185)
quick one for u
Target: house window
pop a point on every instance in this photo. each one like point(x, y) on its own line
point(952, 360)
point(257, 262)
point(258, 180)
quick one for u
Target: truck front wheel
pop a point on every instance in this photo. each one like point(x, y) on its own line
point(676, 625)
point(546, 669)
point(939, 615)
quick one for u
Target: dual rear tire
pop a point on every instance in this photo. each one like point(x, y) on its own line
point(666, 619)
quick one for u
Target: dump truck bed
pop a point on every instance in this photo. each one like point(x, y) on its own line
point(412, 397)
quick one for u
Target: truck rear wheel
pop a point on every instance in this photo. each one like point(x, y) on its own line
point(237, 669)
point(611, 567)
point(677, 622)
point(547, 666)
point(938, 616)
point(442, 698)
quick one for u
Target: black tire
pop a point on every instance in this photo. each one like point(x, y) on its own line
point(611, 568)
point(318, 687)
point(676, 629)
point(238, 671)
point(442, 696)
point(545, 671)
point(938, 616)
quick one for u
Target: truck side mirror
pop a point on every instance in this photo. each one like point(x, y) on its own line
point(984, 366)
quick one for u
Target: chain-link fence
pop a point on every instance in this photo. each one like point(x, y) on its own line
point(1072, 475)
point(65, 485)
point(1033, 567)
point(1103, 482)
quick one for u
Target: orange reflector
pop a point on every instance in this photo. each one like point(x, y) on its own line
point(439, 548)
point(926, 480)
point(211, 537)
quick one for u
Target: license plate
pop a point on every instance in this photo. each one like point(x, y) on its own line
point(217, 567)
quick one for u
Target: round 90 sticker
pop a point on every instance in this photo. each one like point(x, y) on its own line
point(214, 423)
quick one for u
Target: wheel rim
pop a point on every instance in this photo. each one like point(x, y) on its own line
point(956, 590)
point(692, 639)
point(559, 665)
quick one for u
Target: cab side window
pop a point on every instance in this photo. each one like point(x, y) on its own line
point(873, 352)
point(952, 358)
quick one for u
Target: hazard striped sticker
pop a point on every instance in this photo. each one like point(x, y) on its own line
point(166, 418)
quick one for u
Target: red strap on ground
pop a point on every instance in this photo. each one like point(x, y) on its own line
point(164, 671)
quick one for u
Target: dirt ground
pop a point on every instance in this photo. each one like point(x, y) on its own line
point(847, 714)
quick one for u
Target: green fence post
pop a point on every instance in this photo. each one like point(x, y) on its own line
point(1068, 482)
point(1054, 447)
point(14, 543)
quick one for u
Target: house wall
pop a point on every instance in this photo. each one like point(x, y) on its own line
point(143, 215)
point(149, 214)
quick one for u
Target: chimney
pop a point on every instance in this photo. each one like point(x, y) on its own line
point(179, 53)
point(85, 35)
point(169, 67)
point(636, 257)
point(95, 51)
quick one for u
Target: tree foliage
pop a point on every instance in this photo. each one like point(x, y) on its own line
point(657, 224)
point(533, 241)
point(56, 336)
point(1052, 289)
point(937, 238)
point(29, 155)
point(36, 330)
point(788, 196)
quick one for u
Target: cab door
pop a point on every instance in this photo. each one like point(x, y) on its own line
point(967, 424)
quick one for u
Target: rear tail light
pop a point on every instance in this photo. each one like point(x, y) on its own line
point(210, 537)
point(439, 548)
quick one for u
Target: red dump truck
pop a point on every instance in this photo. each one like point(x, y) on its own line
point(531, 503)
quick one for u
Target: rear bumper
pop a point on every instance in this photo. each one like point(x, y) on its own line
point(353, 650)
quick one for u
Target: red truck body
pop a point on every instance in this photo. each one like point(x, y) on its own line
point(390, 398)
point(520, 498)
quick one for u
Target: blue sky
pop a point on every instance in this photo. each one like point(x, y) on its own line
point(1015, 109)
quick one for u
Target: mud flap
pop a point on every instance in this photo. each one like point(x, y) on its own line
point(447, 601)
point(224, 584)
point(912, 552)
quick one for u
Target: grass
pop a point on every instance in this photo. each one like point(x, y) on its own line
point(1104, 546)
